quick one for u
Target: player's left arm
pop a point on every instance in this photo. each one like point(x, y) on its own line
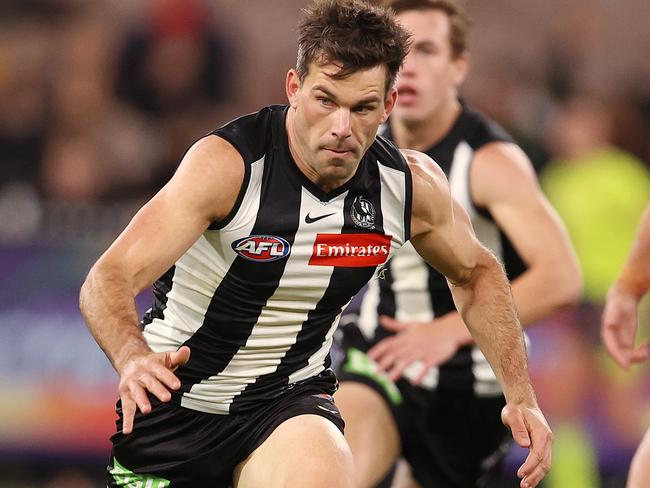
point(442, 234)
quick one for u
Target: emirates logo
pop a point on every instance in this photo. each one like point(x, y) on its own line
point(350, 250)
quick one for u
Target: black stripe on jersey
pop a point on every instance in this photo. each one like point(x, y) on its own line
point(161, 288)
point(344, 284)
point(244, 291)
point(250, 134)
point(390, 155)
point(442, 301)
point(386, 304)
point(251, 148)
point(457, 373)
point(513, 263)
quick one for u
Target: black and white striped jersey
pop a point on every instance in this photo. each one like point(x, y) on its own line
point(413, 291)
point(257, 297)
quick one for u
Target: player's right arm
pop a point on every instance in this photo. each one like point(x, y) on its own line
point(203, 189)
point(620, 316)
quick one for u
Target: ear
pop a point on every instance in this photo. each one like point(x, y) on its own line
point(460, 69)
point(292, 87)
point(389, 104)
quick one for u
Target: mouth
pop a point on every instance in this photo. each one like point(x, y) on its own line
point(406, 94)
point(337, 151)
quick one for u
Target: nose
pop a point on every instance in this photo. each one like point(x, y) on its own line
point(408, 65)
point(341, 128)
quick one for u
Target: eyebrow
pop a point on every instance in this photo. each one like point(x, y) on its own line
point(364, 101)
point(425, 43)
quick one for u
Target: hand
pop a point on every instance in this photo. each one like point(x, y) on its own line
point(151, 372)
point(431, 343)
point(530, 430)
point(619, 328)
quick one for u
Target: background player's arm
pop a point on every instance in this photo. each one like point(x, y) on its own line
point(203, 189)
point(620, 319)
point(442, 234)
point(503, 181)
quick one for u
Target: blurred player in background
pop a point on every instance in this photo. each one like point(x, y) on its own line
point(439, 403)
point(619, 329)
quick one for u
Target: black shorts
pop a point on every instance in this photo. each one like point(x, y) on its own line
point(183, 448)
point(451, 438)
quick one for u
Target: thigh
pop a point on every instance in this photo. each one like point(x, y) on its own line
point(370, 429)
point(305, 450)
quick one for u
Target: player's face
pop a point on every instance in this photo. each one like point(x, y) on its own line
point(430, 75)
point(336, 120)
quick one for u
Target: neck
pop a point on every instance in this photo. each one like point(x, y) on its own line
point(422, 134)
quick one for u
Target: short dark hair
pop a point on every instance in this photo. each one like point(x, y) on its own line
point(459, 21)
point(354, 34)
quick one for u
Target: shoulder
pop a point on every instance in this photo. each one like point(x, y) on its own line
point(387, 154)
point(430, 189)
point(210, 175)
point(424, 169)
point(480, 130)
point(500, 169)
point(251, 134)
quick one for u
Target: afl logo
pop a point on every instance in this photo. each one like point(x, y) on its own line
point(363, 213)
point(261, 248)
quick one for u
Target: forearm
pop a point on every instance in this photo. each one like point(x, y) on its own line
point(487, 307)
point(535, 298)
point(108, 307)
point(542, 290)
point(635, 277)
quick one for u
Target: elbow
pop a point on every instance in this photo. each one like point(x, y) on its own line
point(573, 289)
point(567, 286)
point(86, 292)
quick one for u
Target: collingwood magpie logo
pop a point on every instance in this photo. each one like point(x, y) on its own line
point(363, 213)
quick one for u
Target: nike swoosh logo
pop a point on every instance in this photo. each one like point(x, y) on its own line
point(327, 409)
point(311, 220)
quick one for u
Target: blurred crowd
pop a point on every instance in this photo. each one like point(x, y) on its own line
point(97, 104)
point(99, 100)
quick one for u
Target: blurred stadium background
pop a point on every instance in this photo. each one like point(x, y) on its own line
point(99, 100)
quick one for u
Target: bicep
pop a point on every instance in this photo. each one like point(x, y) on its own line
point(507, 187)
point(203, 189)
point(441, 230)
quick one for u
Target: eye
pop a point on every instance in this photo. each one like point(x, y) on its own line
point(324, 101)
point(363, 109)
point(427, 49)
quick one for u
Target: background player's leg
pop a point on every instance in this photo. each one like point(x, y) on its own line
point(640, 468)
point(370, 430)
point(307, 450)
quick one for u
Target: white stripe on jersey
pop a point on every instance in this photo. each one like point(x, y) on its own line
point(486, 230)
point(198, 274)
point(393, 203)
point(411, 286)
point(368, 319)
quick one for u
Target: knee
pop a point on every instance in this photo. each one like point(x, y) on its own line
point(335, 469)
